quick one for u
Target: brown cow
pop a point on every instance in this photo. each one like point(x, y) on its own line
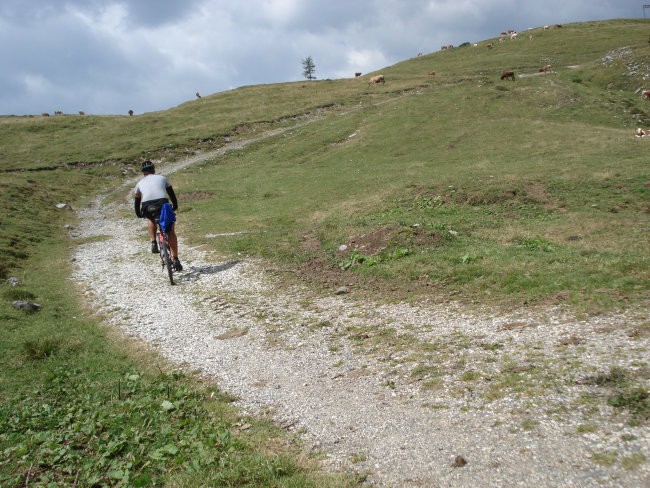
point(545, 69)
point(646, 94)
point(375, 80)
point(431, 73)
point(508, 74)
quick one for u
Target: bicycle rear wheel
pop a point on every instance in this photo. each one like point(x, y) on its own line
point(167, 260)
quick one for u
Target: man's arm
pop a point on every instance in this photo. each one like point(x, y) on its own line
point(136, 205)
point(172, 197)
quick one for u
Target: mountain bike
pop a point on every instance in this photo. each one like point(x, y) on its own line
point(164, 250)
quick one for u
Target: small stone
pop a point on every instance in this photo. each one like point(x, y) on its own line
point(342, 247)
point(459, 462)
point(342, 290)
point(63, 206)
point(13, 281)
point(68, 227)
point(27, 306)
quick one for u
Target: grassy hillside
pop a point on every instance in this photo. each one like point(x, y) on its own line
point(461, 185)
point(466, 184)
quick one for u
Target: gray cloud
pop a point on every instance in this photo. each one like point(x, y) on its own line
point(106, 56)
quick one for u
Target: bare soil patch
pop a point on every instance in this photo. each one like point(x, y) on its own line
point(382, 238)
point(321, 270)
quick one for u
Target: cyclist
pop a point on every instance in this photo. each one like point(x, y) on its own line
point(150, 195)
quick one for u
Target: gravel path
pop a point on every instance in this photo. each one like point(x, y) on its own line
point(414, 395)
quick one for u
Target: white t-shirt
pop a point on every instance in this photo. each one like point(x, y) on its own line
point(152, 187)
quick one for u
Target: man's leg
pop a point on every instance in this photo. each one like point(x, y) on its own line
point(173, 241)
point(151, 225)
point(173, 244)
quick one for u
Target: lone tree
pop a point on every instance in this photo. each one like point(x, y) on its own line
point(308, 68)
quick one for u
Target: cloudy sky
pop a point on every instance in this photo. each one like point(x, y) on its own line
point(109, 56)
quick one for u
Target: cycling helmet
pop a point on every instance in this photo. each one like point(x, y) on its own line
point(147, 167)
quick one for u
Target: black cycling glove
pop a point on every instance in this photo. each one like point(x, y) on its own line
point(136, 205)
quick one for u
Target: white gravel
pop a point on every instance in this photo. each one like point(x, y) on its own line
point(344, 374)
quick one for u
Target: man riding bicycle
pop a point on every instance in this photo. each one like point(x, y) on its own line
point(150, 195)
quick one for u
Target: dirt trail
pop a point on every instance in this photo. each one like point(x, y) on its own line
point(398, 391)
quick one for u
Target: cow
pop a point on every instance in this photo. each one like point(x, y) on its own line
point(356, 75)
point(375, 80)
point(446, 46)
point(58, 112)
point(514, 35)
point(431, 73)
point(508, 74)
point(130, 112)
point(642, 132)
point(646, 94)
point(198, 95)
point(545, 69)
point(81, 112)
point(45, 114)
point(489, 45)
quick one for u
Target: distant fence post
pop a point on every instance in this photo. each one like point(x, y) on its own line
point(645, 7)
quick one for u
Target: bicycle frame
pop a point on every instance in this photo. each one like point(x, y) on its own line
point(165, 251)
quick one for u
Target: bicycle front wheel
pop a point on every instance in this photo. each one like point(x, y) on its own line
point(167, 260)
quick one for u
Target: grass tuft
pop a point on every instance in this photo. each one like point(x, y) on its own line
point(635, 400)
point(40, 349)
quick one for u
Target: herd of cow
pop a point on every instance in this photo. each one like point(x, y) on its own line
point(375, 80)
point(505, 75)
